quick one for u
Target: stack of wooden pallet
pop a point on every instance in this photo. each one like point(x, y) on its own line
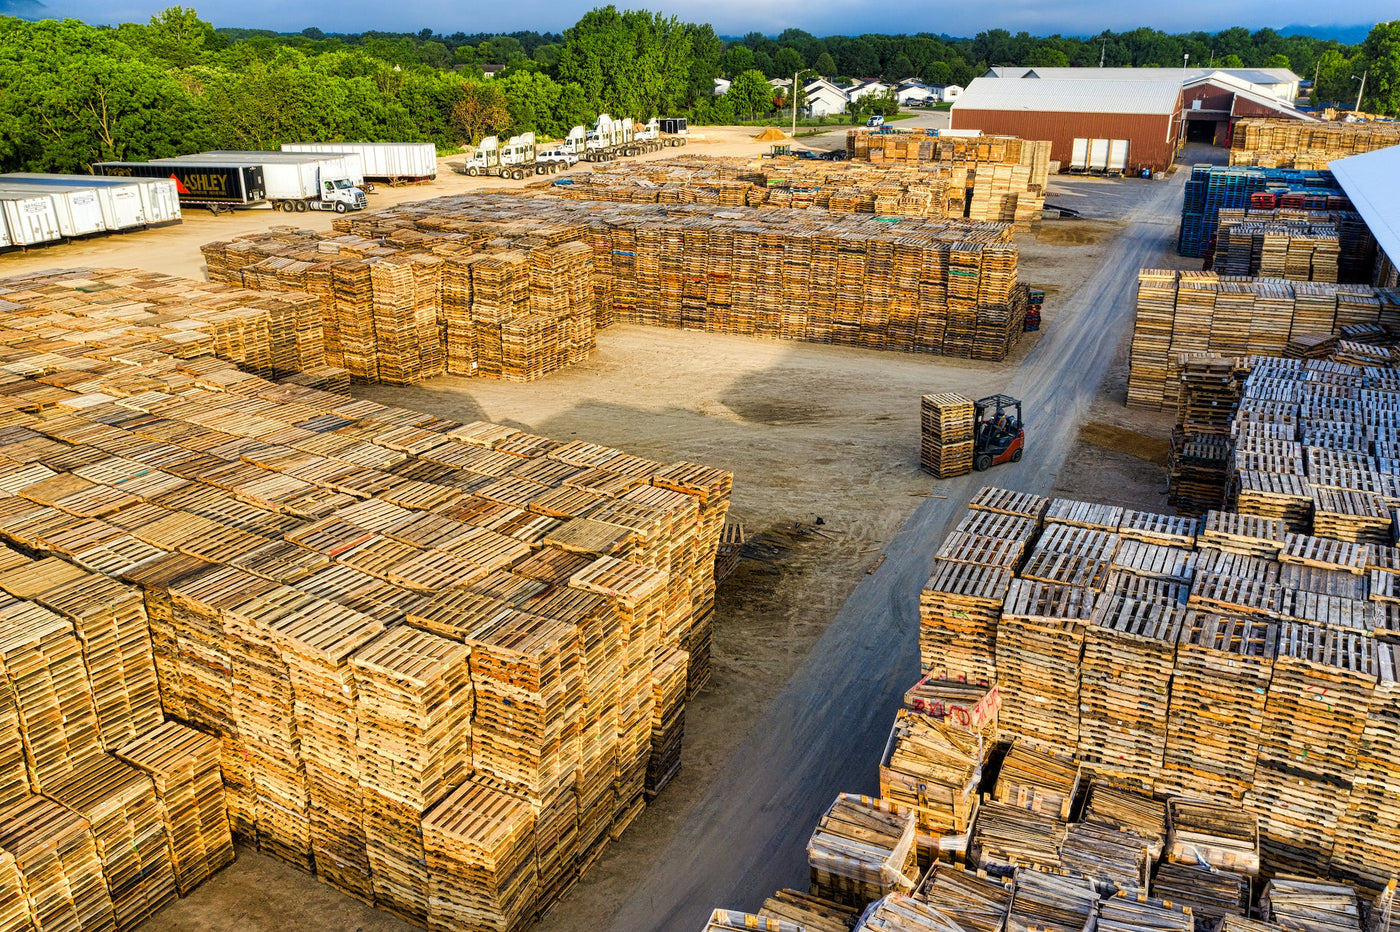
point(808, 912)
point(184, 766)
point(1210, 893)
point(1040, 641)
point(1129, 811)
point(1040, 782)
point(1184, 313)
point(1125, 676)
point(975, 901)
point(1006, 837)
point(414, 700)
point(1223, 667)
point(54, 855)
point(899, 912)
point(931, 769)
point(1218, 834)
point(1290, 144)
point(1124, 912)
point(1106, 854)
point(479, 844)
point(1307, 761)
point(1198, 470)
point(862, 850)
point(946, 429)
point(1051, 902)
point(1362, 853)
point(317, 643)
point(1309, 906)
point(120, 805)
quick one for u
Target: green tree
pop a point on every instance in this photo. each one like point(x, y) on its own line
point(1044, 56)
point(1334, 84)
point(751, 94)
point(177, 35)
point(825, 65)
point(480, 110)
point(860, 60)
point(1232, 61)
point(1278, 60)
point(900, 68)
point(1380, 59)
point(788, 61)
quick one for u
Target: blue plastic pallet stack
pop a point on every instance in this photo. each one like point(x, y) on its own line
point(1212, 188)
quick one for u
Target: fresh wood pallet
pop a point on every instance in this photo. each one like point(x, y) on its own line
point(59, 868)
point(184, 767)
point(931, 769)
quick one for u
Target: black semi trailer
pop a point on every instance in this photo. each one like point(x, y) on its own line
point(218, 187)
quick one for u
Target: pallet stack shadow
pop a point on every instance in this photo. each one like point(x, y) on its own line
point(1229, 627)
point(946, 423)
point(1292, 144)
point(1296, 244)
point(441, 665)
point(1213, 188)
point(983, 191)
point(931, 286)
point(1182, 313)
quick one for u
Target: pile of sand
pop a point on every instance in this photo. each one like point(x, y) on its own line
point(771, 134)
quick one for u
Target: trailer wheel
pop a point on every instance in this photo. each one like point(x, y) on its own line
point(301, 207)
point(340, 207)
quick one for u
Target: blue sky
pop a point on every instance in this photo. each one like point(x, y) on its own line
point(735, 17)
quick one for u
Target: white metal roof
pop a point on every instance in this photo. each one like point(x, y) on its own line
point(1369, 180)
point(1265, 76)
point(1073, 95)
point(1242, 88)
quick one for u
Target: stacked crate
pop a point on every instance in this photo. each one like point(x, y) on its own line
point(946, 426)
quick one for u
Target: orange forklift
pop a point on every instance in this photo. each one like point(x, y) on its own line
point(999, 435)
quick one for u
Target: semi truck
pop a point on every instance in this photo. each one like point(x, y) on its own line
point(390, 162)
point(217, 187)
point(518, 157)
point(297, 181)
point(127, 203)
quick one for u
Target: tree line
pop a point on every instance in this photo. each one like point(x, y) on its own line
point(72, 94)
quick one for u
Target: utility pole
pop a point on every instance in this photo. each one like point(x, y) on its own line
point(1361, 90)
point(1103, 49)
point(794, 105)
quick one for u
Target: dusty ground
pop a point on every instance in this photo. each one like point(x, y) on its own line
point(823, 444)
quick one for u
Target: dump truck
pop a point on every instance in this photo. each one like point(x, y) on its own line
point(516, 159)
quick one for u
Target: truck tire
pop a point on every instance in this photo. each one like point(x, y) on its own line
point(982, 463)
point(301, 207)
point(473, 172)
point(340, 207)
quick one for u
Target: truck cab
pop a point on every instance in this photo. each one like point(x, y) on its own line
point(339, 195)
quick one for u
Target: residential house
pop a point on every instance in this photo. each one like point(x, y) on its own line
point(865, 89)
point(913, 93)
point(824, 98)
point(946, 93)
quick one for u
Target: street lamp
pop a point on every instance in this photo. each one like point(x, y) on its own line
point(1361, 90)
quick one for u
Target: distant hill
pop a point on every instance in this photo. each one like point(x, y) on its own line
point(24, 9)
point(1347, 35)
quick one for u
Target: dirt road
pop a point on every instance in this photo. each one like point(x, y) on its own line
point(825, 731)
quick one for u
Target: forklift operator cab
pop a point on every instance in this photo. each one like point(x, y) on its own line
point(999, 434)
